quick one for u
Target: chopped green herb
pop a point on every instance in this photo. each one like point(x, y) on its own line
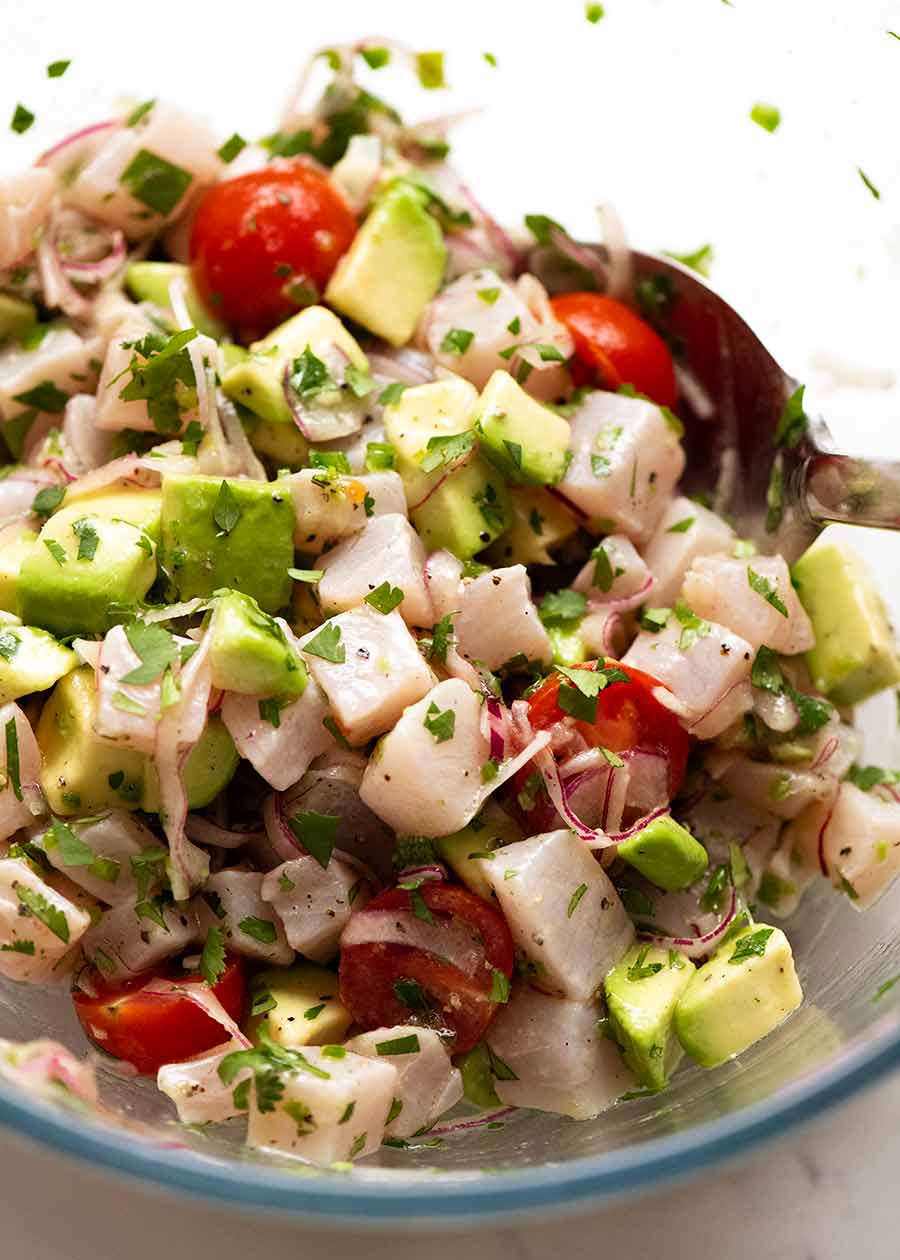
point(514, 326)
point(868, 183)
point(226, 510)
point(766, 116)
point(575, 899)
point(766, 672)
point(793, 421)
point(270, 711)
point(562, 607)
point(36, 904)
point(19, 947)
point(430, 69)
point(640, 969)
point(48, 500)
point(327, 644)
point(9, 644)
point(441, 635)
point(655, 619)
point(57, 69)
point(385, 598)
point(457, 341)
point(492, 60)
point(848, 888)
point(752, 946)
point(420, 906)
point(887, 985)
point(594, 12)
point(45, 396)
point(440, 724)
point(22, 119)
point(682, 526)
point(399, 1045)
point(155, 647)
point(380, 456)
point(768, 590)
point(139, 112)
point(262, 930)
point(306, 575)
point(444, 450)
point(12, 757)
point(411, 994)
point(391, 394)
point(234, 145)
point(603, 571)
point(698, 260)
point(56, 550)
point(489, 296)
point(499, 986)
point(316, 832)
point(88, 539)
point(212, 960)
point(692, 626)
point(155, 182)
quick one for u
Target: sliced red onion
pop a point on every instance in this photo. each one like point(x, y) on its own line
point(279, 834)
point(59, 292)
point(430, 873)
point(618, 836)
point(103, 268)
point(621, 267)
point(201, 995)
point(206, 832)
point(820, 842)
point(825, 753)
point(408, 366)
point(496, 728)
point(498, 236)
point(558, 793)
point(627, 603)
point(83, 137)
point(449, 939)
point(469, 1122)
point(573, 507)
point(585, 256)
point(696, 947)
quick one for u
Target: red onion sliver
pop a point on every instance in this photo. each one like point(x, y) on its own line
point(696, 947)
point(206, 832)
point(201, 995)
point(470, 1122)
point(103, 268)
point(626, 604)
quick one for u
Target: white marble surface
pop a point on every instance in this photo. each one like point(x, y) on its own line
point(826, 1193)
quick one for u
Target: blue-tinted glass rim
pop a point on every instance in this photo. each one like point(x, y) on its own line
point(464, 1201)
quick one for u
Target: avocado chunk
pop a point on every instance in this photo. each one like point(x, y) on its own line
point(16, 316)
point(142, 508)
point(526, 441)
point(80, 568)
point(12, 554)
point(237, 534)
point(423, 414)
point(539, 523)
point(745, 990)
point(855, 653)
point(79, 774)
point(283, 444)
point(31, 660)
point(467, 851)
point(149, 282)
point(249, 651)
point(567, 645)
point(466, 512)
point(82, 774)
point(257, 381)
point(665, 853)
point(394, 266)
point(477, 1074)
point(299, 1006)
point(642, 992)
point(208, 770)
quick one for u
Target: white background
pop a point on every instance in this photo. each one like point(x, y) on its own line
point(647, 109)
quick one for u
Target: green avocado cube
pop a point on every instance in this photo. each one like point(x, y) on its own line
point(209, 769)
point(249, 651)
point(642, 992)
point(467, 511)
point(394, 266)
point(665, 853)
point(150, 281)
point(80, 567)
point(256, 380)
point(282, 444)
point(567, 645)
point(745, 991)
point(539, 523)
point(468, 851)
point(527, 441)
point(12, 554)
point(422, 414)
point(16, 316)
point(31, 660)
point(236, 534)
point(855, 653)
point(142, 508)
point(305, 1010)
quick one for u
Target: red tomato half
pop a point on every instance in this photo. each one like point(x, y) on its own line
point(628, 716)
point(614, 347)
point(462, 1003)
point(149, 1029)
point(256, 235)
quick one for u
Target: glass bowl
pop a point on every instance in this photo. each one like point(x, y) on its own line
point(649, 109)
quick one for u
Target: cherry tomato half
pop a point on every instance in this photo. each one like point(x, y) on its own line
point(150, 1029)
point(628, 716)
point(257, 235)
point(372, 974)
point(614, 347)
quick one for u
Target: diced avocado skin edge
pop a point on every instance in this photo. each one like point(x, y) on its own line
point(665, 853)
point(393, 268)
point(855, 655)
point(477, 1077)
point(149, 282)
point(253, 558)
point(451, 518)
point(248, 658)
point(16, 316)
point(712, 1036)
point(75, 597)
point(641, 1013)
point(297, 989)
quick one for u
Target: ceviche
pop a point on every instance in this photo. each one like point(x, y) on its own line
point(384, 733)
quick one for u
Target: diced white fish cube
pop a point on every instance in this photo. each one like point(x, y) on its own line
point(39, 926)
point(560, 1060)
point(385, 489)
point(336, 1112)
point(113, 412)
point(314, 903)
point(685, 531)
point(388, 550)
point(624, 574)
point(427, 1082)
point(249, 923)
point(196, 1088)
point(382, 672)
point(113, 839)
point(424, 778)
point(563, 911)
point(280, 754)
point(718, 588)
point(861, 844)
point(129, 939)
point(105, 186)
point(784, 791)
point(626, 461)
point(24, 209)
point(498, 619)
point(443, 577)
point(15, 809)
point(62, 358)
point(325, 507)
point(698, 668)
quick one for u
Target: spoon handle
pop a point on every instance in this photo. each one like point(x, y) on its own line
point(845, 488)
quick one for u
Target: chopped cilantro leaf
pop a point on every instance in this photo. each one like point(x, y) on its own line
point(399, 1045)
point(868, 183)
point(457, 341)
point(391, 394)
point(562, 607)
point(594, 12)
point(262, 930)
point(655, 619)
point(640, 969)
point(682, 526)
point(232, 147)
point(226, 510)
point(575, 900)
point(155, 647)
point(45, 396)
point(380, 456)
point(762, 586)
point(327, 645)
point(430, 69)
point(766, 116)
point(47, 500)
point(440, 724)
point(57, 69)
point(212, 960)
point(698, 260)
point(317, 833)
point(752, 946)
point(22, 119)
point(37, 904)
point(155, 182)
point(306, 575)
point(385, 598)
point(793, 421)
point(443, 450)
point(88, 539)
point(12, 757)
